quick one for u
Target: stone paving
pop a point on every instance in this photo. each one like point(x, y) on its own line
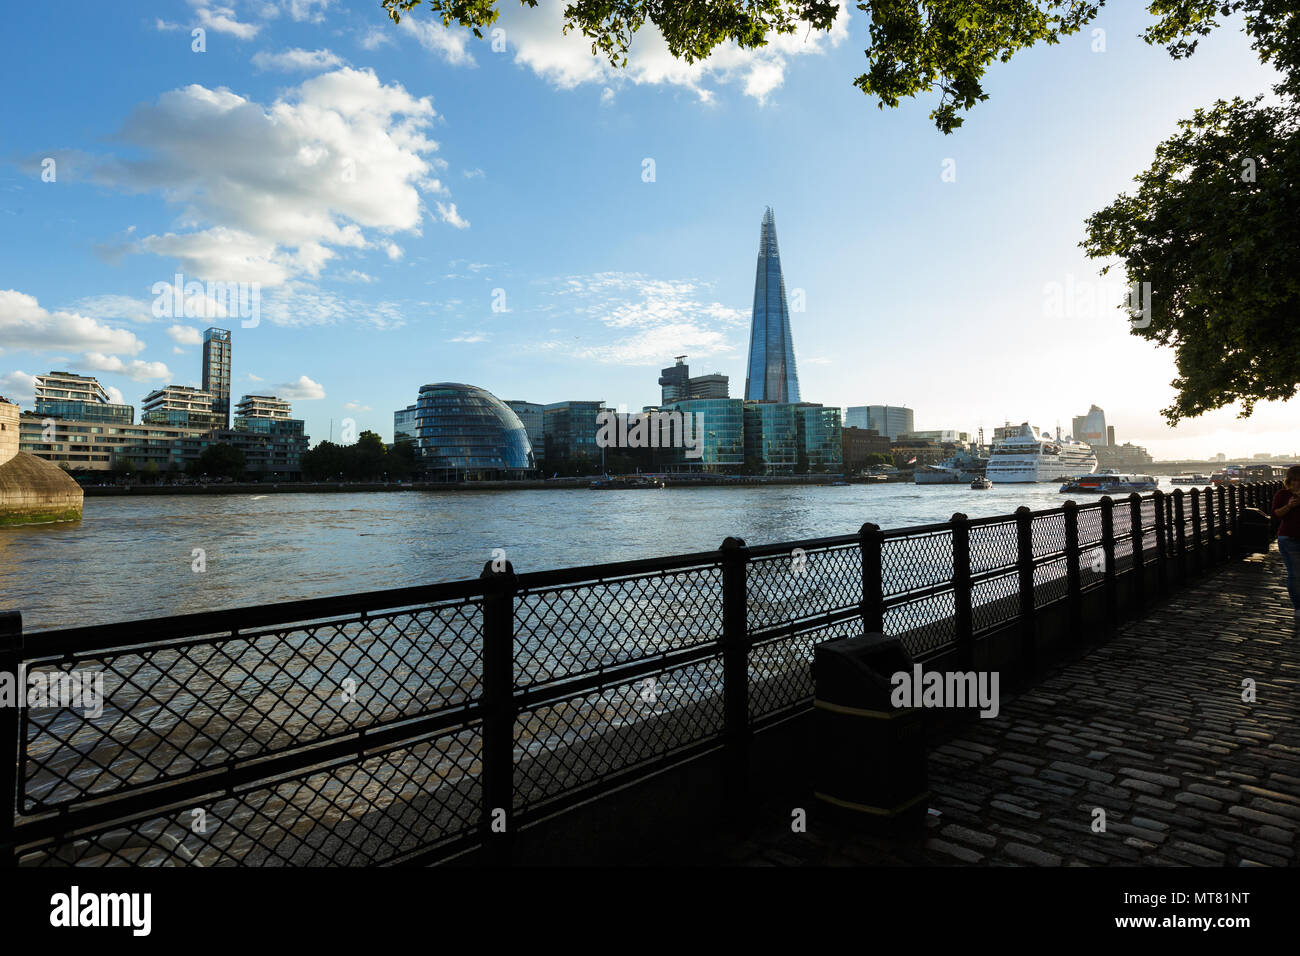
point(1149, 727)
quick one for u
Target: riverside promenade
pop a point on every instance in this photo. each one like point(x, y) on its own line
point(1149, 727)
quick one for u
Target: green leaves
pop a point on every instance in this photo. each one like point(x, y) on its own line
point(1214, 226)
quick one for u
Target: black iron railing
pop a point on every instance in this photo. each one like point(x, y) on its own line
point(410, 725)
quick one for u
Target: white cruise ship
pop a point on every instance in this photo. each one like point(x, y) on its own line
point(1030, 455)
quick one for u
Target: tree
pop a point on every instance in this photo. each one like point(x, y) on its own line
point(221, 461)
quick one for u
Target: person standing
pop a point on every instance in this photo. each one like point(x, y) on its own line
point(1286, 508)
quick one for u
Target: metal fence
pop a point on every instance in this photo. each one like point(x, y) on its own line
point(410, 725)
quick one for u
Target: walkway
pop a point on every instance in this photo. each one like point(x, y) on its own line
point(1151, 728)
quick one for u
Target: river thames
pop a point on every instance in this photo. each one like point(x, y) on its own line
point(133, 557)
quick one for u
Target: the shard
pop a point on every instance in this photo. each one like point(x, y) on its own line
point(771, 375)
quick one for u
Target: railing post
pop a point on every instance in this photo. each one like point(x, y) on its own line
point(1073, 584)
point(735, 676)
point(963, 615)
point(498, 757)
point(1234, 509)
point(1139, 567)
point(1025, 565)
point(1225, 521)
point(1108, 560)
point(1162, 543)
point(1195, 559)
point(871, 541)
point(11, 649)
point(1180, 536)
point(1208, 559)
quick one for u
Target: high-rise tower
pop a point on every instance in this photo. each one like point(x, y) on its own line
point(771, 375)
point(216, 372)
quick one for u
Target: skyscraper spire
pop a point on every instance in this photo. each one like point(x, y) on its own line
point(771, 375)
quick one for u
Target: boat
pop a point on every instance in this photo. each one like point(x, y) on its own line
point(1026, 455)
point(961, 468)
point(640, 481)
point(839, 484)
point(1190, 480)
point(1229, 476)
point(1109, 483)
point(981, 484)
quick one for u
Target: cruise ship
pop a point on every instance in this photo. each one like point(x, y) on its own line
point(1030, 455)
point(961, 469)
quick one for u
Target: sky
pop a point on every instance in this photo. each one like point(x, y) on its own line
point(407, 204)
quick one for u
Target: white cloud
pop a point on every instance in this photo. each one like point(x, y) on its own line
point(300, 391)
point(393, 250)
point(474, 173)
point(450, 216)
point(449, 43)
point(223, 20)
point(115, 307)
point(606, 96)
point(651, 319)
point(296, 59)
point(136, 369)
point(271, 192)
point(24, 324)
point(114, 394)
point(185, 335)
point(375, 37)
point(163, 26)
point(312, 10)
point(470, 337)
point(357, 407)
point(18, 386)
point(255, 378)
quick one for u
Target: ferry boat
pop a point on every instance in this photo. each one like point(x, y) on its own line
point(981, 484)
point(960, 469)
point(1109, 483)
point(1030, 455)
point(1229, 476)
point(1190, 480)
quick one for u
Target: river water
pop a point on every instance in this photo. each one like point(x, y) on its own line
point(133, 557)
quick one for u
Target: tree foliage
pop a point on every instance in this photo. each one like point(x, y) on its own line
point(365, 460)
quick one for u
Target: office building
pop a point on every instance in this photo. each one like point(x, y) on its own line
point(263, 406)
point(78, 397)
point(404, 424)
point(772, 437)
point(530, 413)
point(942, 435)
point(770, 375)
point(892, 421)
point(859, 444)
point(466, 433)
point(569, 431)
point(181, 406)
point(721, 427)
point(820, 438)
point(216, 372)
point(1091, 428)
point(679, 385)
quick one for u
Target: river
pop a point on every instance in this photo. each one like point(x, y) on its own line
point(133, 557)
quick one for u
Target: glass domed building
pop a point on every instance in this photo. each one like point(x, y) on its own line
point(463, 432)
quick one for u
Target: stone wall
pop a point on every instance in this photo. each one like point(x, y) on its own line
point(8, 430)
point(33, 491)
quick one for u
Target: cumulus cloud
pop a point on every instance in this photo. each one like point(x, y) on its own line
point(296, 59)
point(300, 391)
point(115, 308)
point(24, 324)
point(185, 335)
point(312, 10)
point(273, 192)
point(18, 386)
point(135, 369)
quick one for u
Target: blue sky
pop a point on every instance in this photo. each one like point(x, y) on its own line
point(386, 186)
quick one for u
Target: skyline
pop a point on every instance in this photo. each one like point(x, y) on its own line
point(524, 270)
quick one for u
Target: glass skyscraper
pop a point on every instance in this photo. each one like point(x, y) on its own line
point(216, 372)
point(771, 375)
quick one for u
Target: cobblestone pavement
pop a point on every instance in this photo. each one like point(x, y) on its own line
point(1150, 727)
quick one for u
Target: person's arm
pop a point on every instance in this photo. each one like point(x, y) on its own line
point(1287, 508)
